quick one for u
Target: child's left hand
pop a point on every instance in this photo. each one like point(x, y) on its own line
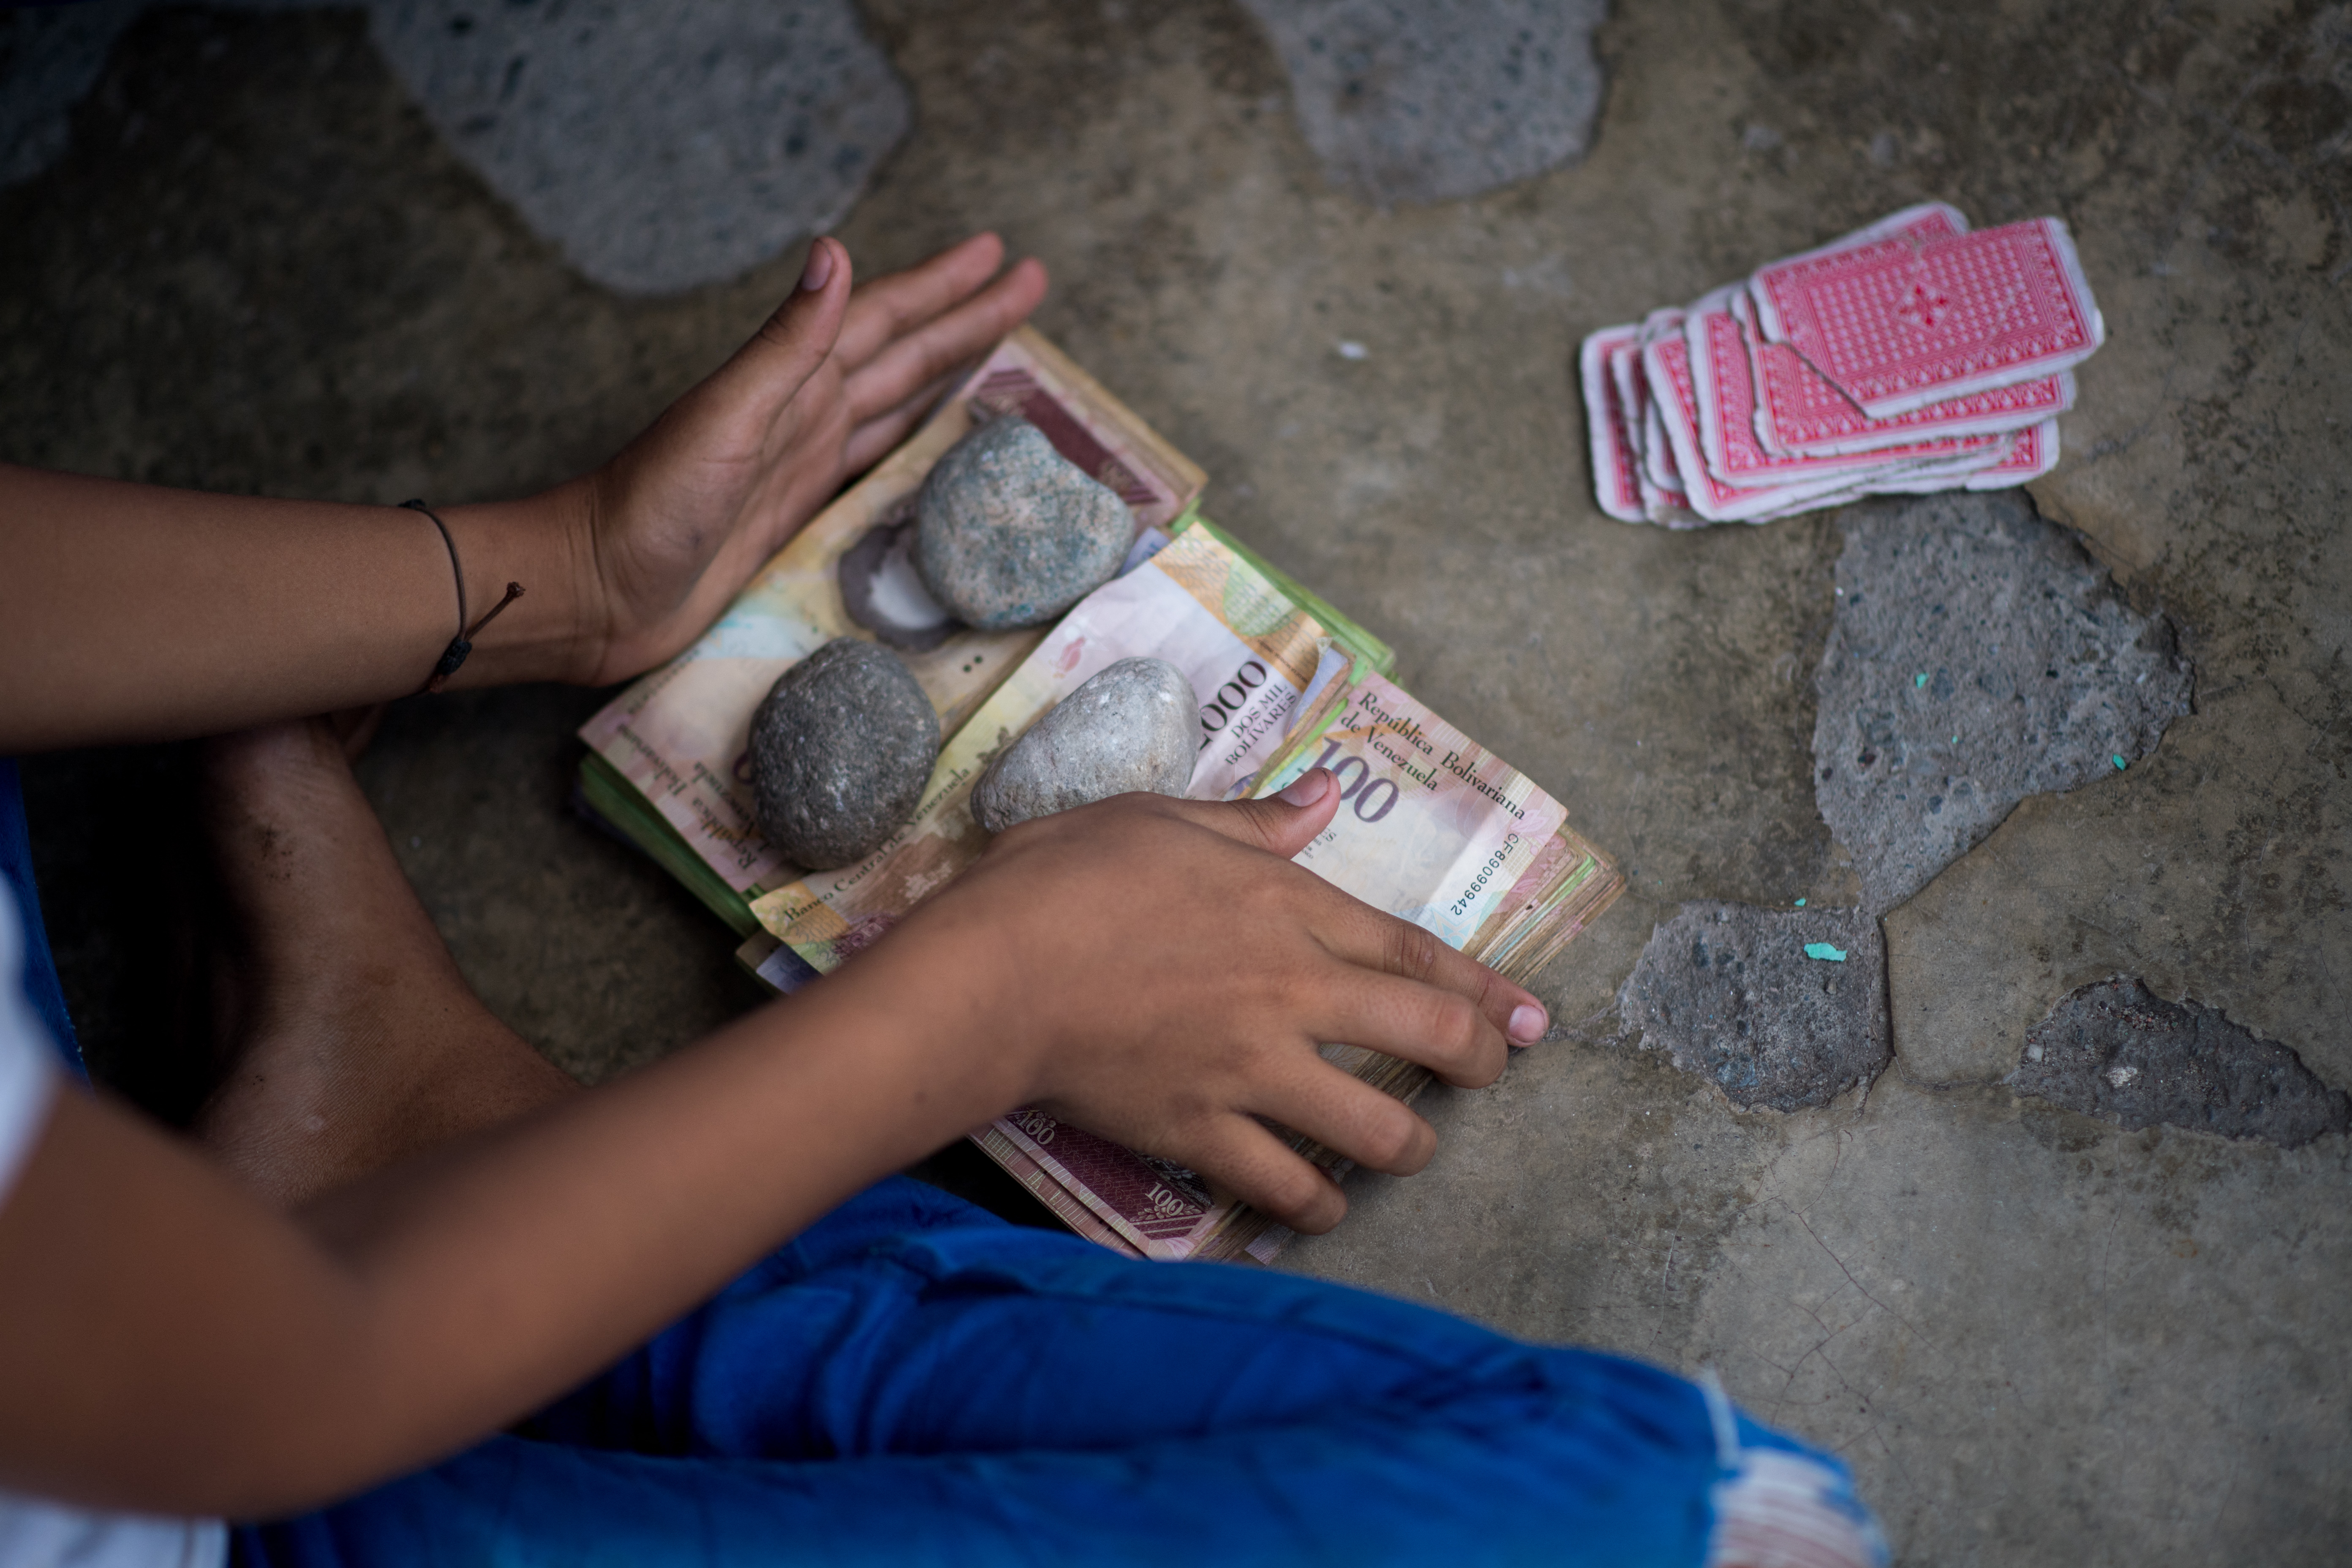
point(666, 532)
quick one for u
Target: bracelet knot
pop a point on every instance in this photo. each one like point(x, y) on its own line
point(463, 643)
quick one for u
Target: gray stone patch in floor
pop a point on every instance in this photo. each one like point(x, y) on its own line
point(1977, 656)
point(660, 148)
point(1432, 102)
point(49, 57)
point(1778, 1008)
point(2115, 1050)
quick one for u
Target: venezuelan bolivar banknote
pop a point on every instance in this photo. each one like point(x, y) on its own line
point(678, 741)
point(1248, 649)
point(1431, 827)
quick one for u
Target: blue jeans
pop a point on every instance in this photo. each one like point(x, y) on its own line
point(914, 1381)
point(41, 976)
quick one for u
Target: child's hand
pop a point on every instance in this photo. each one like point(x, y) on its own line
point(1156, 970)
point(666, 532)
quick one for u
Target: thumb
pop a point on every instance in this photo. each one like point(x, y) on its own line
point(790, 344)
point(1284, 823)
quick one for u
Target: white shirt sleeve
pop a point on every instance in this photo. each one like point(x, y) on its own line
point(29, 1066)
point(34, 1533)
point(38, 1534)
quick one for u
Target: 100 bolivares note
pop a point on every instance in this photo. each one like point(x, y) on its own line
point(1431, 827)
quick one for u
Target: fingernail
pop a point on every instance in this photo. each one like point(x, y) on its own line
point(1309, 789)
point(819, 268)
point(1527, 1022)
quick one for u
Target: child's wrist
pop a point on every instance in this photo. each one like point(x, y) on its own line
point(552, 631)
point(943, 985)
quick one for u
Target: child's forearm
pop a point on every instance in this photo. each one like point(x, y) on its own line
point(1155, 969)
point(192, 1352)
point(135, 612)
point(482, 1266)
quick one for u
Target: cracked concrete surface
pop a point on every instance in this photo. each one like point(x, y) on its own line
point(2041, 1339)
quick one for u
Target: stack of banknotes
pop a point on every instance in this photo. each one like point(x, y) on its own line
point(1430, 826)
point(1912, 356)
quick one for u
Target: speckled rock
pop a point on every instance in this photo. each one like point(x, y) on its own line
point(1011, 533)
point(2117, 1050)
point(1408, 102)
point(1128, 727)
point(1978, 655)
point(660, 148)
point(1778, 1009)
point(841, 748)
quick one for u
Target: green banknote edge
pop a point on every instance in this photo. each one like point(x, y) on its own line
point(613, 797)
point(632, 816)
point(1344, 629)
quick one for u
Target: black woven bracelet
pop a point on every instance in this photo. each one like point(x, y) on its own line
point(463, 643)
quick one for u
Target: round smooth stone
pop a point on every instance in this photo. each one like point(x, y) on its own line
point(841, 748)
point(1131, 727)
point(1011, 533)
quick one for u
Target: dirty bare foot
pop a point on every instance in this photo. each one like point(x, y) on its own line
point(355, 1039)
point(355, 727)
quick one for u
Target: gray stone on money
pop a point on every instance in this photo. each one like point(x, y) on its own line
point(841, 748)
point(1011, 533)
point(1729, 993)
point(1132, 726)
point(1977, 656)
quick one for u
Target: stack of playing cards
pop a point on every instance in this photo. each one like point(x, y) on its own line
point(1913, 355)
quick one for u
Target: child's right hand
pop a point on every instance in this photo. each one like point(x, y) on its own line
point(1156, 970)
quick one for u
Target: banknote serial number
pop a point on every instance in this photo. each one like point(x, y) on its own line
point(1486, 873)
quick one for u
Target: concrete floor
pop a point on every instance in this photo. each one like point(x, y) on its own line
point(2038, 1338)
